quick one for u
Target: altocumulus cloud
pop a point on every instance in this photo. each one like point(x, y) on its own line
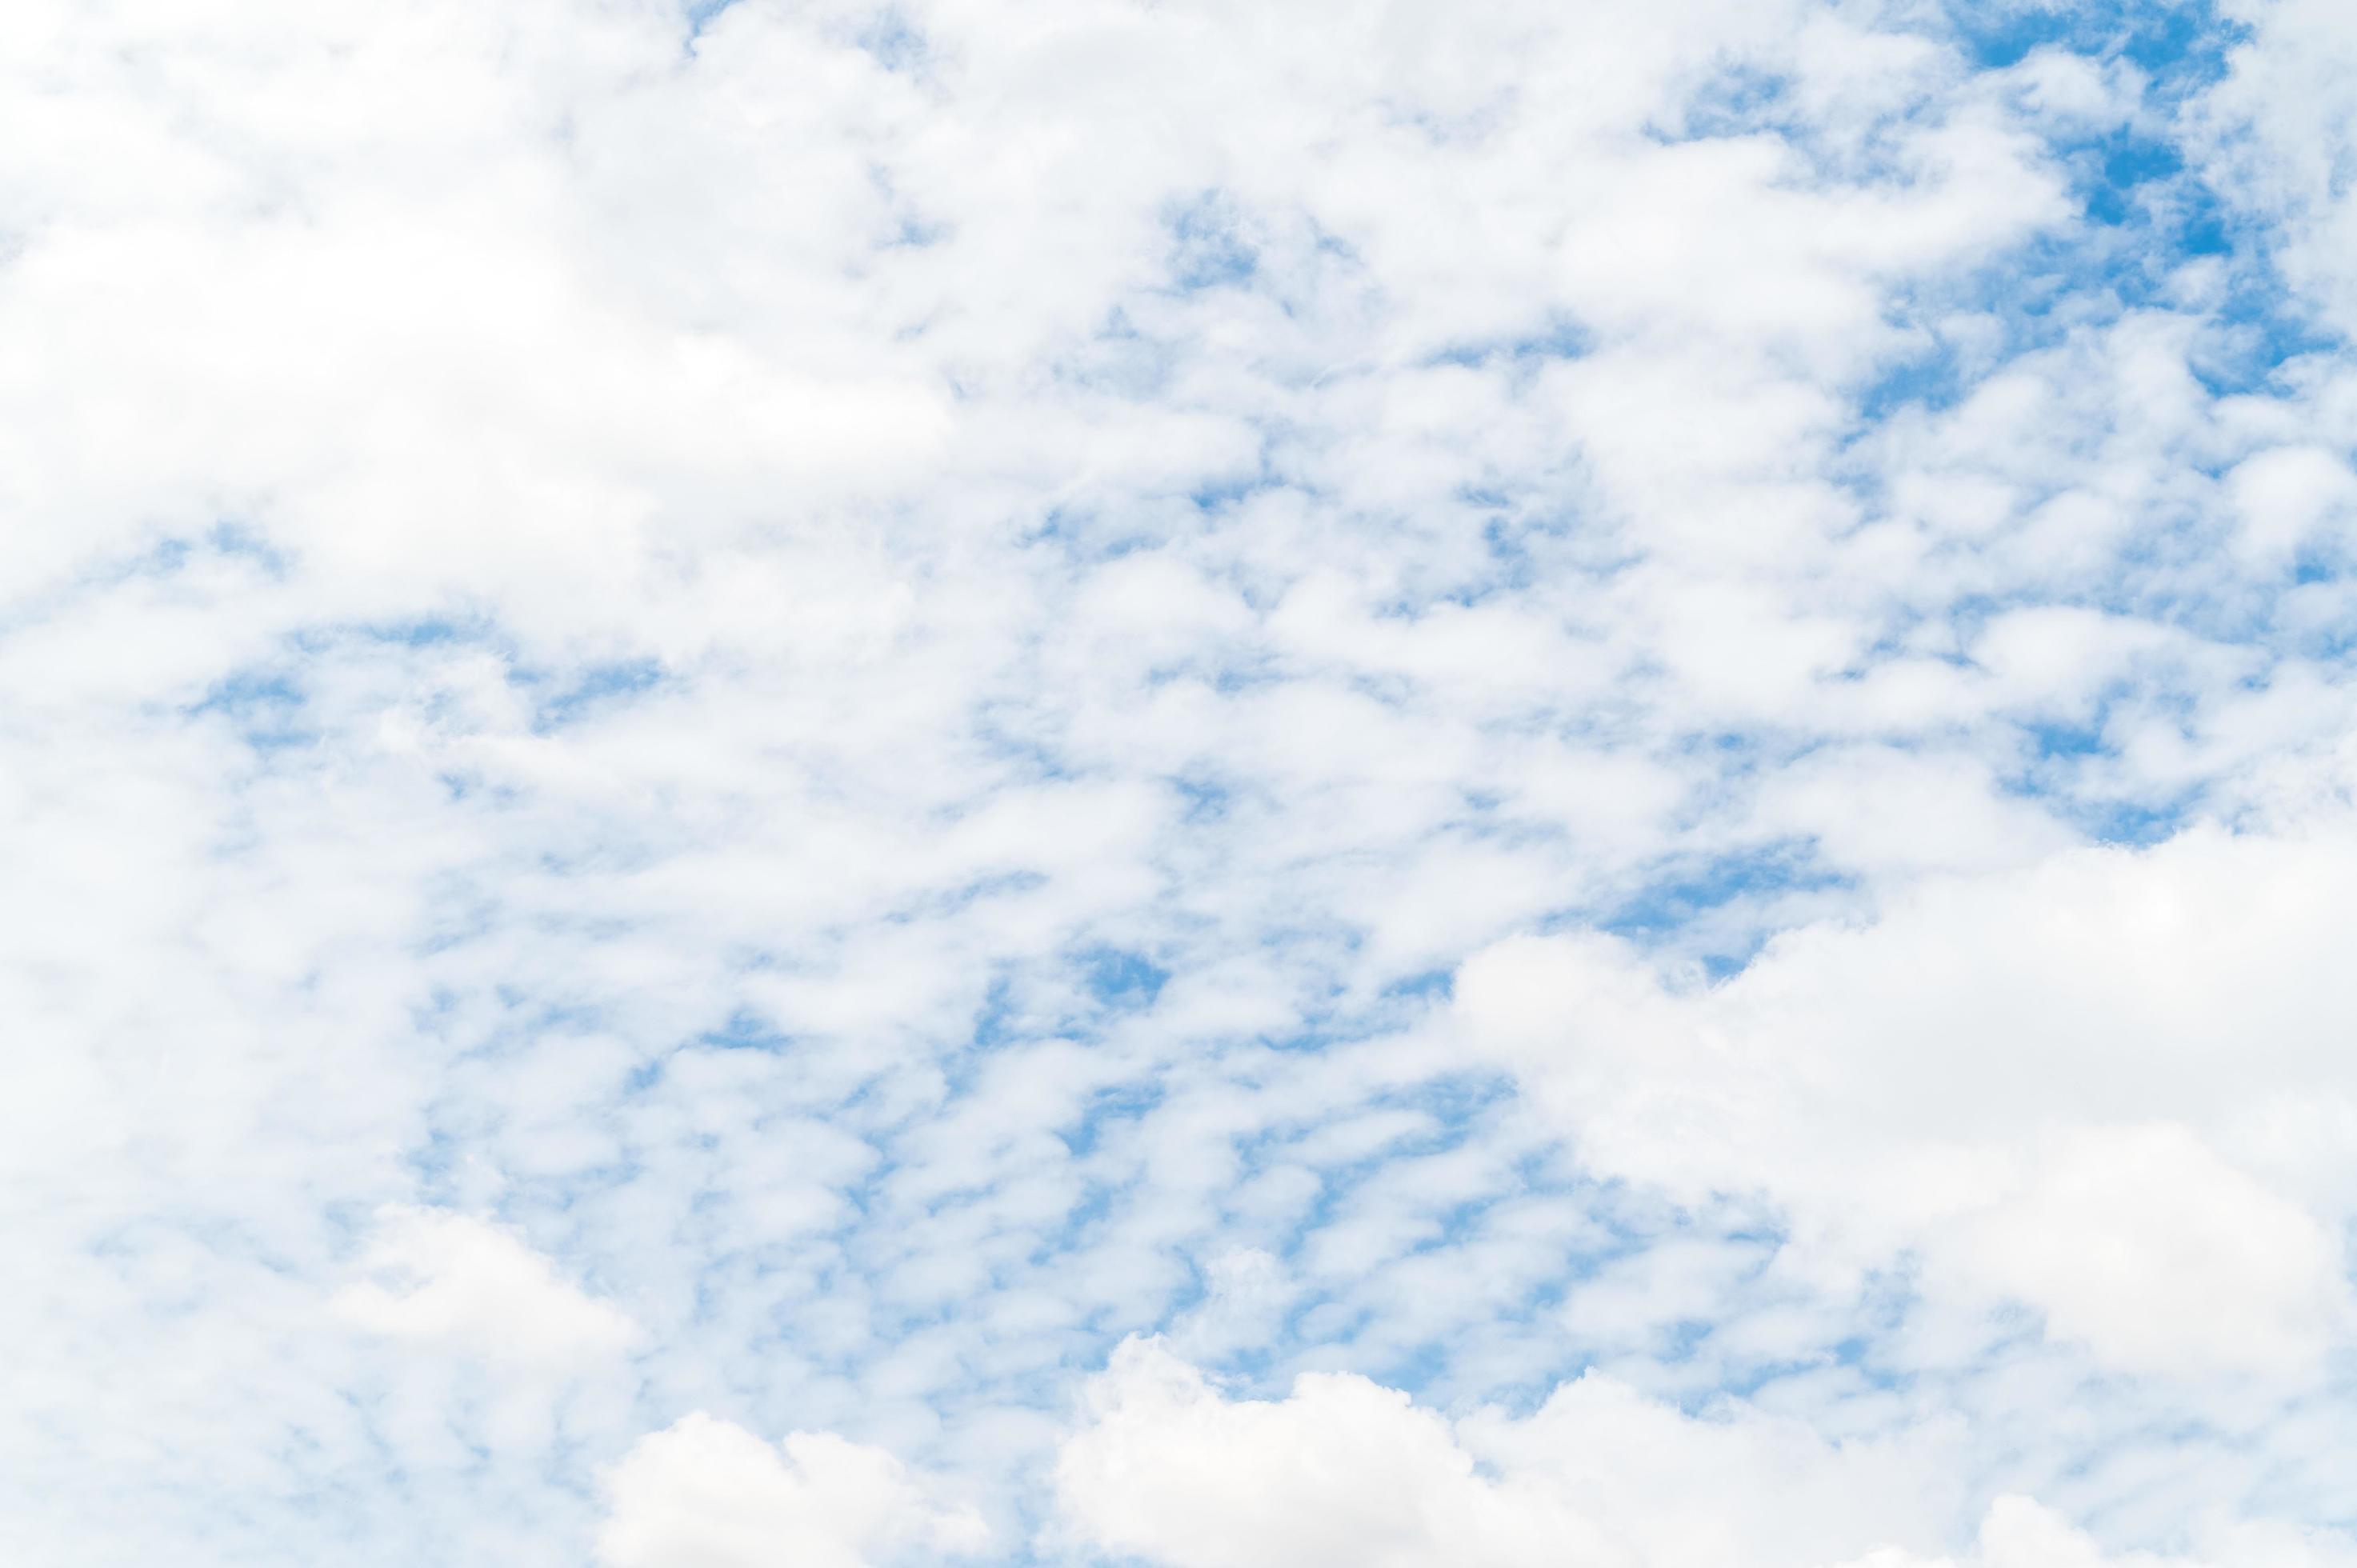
point(1216, 785)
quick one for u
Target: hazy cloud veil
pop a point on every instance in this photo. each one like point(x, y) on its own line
point(1273, 784)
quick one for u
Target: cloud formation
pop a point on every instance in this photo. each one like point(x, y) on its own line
point(1343, 1470)
point(456, 1283)
point(1607, 745)
point(1169, 1469)
point(704, 1493)
point(2108, 1085)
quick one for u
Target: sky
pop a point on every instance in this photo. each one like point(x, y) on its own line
point(1178, 783)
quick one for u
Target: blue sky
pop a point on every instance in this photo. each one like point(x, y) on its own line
point(1200, 786)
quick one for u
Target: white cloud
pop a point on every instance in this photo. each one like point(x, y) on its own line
point(2275, 130)
point(454, 1281)
point(2018, 1533)
point(1343, 1472)
point(2284, 495)
point(2065, 1084)
point(2147, 1245)
point(1169, 1470)
point(705, 1493)
point(860, 663)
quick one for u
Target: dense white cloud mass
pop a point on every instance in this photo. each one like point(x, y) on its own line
point(705, 1494)
point(2112, 1086)
point(1618, 736)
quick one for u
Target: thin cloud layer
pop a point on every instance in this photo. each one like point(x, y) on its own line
point(1608, 746)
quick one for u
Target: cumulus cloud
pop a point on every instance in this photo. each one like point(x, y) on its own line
point(1169, 1469)
point(454, 1281)
point(1343, 1472)
point(2103, 1085)
point(705, 1493)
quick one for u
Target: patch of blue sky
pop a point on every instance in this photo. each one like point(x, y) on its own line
point(1209, 245)
point(157, 559)
point(1115, 1109)
point(456, 915)
point(1555, 339)
point(1206, 801)
point(438, 1159)
point(1236, 676)
point(1432, 986)
point(1862, 1360)
point(2179, 48)
point(1433, 1118)
point(700, 14)
point(2040, 293)
point(2316, 564)
point(2257, 332)
point(2147, 214)
point(1090, 535)
point(893, 39)
point(1121, 357)
point(586, 691)
point(1004, 729)
point(1739, 100)
point(2061, 739)
point(1528, 1313)
point(267, 710)
point(2126, 823)
point(998, 1021)
point(907, 228)
point(2066, 769)
point(2317, 617)
point(248, 543)
point(937, 903)
point(1513, 528)
point(1531, 544)
point(1225, 492)
point(575, 1190)
point(2113, 167)
point(1328, 1011)
point(745, 1031)
point(2168, 37)
point(1672, 905)
point(424, 631)
point(1123, 980)
point(1931, 376)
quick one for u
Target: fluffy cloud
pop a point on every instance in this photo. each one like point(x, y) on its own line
point(2107, 1085)
point(455, 1281)
point(705, 1493)
point(2018, 1533)
point(1169, 1470)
